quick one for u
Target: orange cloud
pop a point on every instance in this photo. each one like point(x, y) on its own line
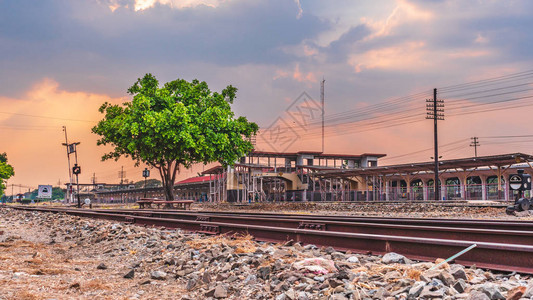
point(303, 77)
point(404, 12)
point(407, 56)
point(31, 127)
point(297, 75)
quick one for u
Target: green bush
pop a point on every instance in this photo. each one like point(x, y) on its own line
point(25, 201)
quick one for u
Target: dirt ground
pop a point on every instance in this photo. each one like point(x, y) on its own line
point(39, 262)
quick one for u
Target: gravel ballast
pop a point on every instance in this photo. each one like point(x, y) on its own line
point(55, 256)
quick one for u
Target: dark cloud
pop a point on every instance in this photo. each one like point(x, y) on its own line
point(84, 46)
point(78, 42)
point(338, 50)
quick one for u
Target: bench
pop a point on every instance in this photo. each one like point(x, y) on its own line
point(179, 204)
point(145, 202)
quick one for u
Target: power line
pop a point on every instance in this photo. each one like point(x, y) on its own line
point(488, 81)
point(506, 136)
point(424, 150)
point(394, 115)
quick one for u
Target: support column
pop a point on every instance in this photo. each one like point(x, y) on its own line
point(424, 190)
point(483, 187)
point(462, 184)
point(442, 189)
point(408, 183)
point(500, 183)
point(386, 182)
point(506, 190)
point(366, 185)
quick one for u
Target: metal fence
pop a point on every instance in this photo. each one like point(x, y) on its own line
point(415, 193)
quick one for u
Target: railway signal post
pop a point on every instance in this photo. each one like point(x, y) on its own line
point(76, 170)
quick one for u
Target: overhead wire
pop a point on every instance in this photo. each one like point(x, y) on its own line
point(424, 150)
point(395, 116)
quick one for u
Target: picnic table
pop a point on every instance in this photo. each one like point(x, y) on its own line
point(179, 204)
point(145, 202)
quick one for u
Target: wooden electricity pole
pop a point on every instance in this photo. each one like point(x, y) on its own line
point(435, 112)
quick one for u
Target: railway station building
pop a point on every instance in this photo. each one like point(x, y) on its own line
point(314, 176)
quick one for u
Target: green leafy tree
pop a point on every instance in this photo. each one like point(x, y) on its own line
point(6, 171)
point(174, 126)
point(149, 183)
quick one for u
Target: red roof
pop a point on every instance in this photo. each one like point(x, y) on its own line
point(196, 179)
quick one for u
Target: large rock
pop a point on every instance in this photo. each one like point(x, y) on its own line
point(415, 291)
point(130, 274)
point(529, 291)
point(334, 282)
point(516, 293)
point(191, 284)
point(338, 256)
point(263, 272)
point(291, 294)
point(428, 293)
point(460, 286)
point(476, 295)
point(353, 259)
point(158, 275)
point(337, 297)
point(381, 293)
point(303, 296)
point(217, 292)
point(446, 278)
point(458, 272)
point(492, 291)
point(393, 258)
point(429, 275)
point(220, 292)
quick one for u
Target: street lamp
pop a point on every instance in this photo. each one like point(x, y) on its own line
point(146, 174)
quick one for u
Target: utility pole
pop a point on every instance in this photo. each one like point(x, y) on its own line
point(121, 174)
point(69, 170)
point(94, 180)
point(435, 112)
point(71, 148)
point(475, 144)
point(323, 110)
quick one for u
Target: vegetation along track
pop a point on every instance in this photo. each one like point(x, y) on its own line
point(498, 247)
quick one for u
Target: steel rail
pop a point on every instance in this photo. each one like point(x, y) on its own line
point(434, 222)
point(441, 232)
point(497, 256)
point(457, 223)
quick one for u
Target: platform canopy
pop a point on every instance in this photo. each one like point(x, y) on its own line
point(502, 160)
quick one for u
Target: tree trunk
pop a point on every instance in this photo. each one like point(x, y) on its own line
point(168, 183)
point(169, 191)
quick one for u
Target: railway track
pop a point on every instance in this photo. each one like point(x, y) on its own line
point(498, 247)
point(458, 223)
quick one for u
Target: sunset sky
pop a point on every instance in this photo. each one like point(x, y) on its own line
point(61, 59)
